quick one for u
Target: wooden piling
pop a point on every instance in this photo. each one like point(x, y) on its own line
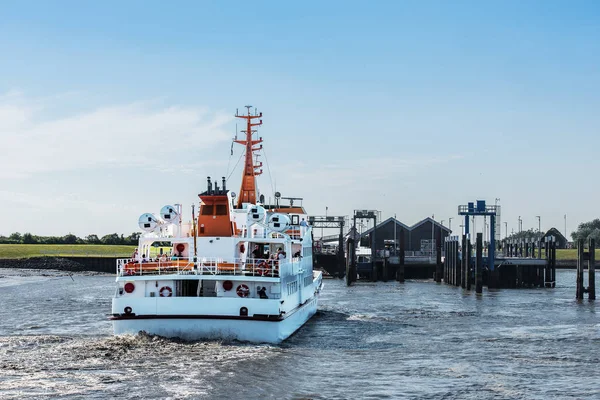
point(464, 264)
point(350, 263)
point(548, 267)
point(438, 255)
point(553, 266)
point(479, 264)
point(579, 278)
point(446, 258)
point(592, 270)
point(384, 269)
point(463, 261)
point(400, 270)
point(469, 277)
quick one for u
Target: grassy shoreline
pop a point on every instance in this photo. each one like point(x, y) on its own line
point(12, 251)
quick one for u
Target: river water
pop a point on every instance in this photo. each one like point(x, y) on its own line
point(373, 340)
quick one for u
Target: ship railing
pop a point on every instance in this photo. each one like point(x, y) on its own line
point(259, 232)
point(203, 266)
point(130, 267)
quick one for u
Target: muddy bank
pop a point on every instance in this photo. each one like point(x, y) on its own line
point(69, 264)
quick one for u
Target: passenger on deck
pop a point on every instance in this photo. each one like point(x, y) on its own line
point(163, 258)
point(135, 255)
point(144, 259)
point(280, 254)
point(256, 252)
point(303, 223)
point(173, 257)
point(262, 292)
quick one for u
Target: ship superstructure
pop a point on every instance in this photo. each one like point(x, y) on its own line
point(239, 270)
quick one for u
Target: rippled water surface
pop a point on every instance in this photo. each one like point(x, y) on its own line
point(385, 340)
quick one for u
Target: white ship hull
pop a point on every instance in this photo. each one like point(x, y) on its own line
point(247, 329)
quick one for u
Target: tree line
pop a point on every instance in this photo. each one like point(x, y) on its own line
point(112, 238)
point(585, 230)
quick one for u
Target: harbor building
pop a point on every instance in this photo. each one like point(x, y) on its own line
point(418, 239)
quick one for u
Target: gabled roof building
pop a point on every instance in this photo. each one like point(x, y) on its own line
point(416, 238)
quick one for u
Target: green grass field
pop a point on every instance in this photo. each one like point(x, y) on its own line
point(570, 254)
point(53, 250)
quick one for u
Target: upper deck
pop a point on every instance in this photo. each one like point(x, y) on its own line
point(211, 267)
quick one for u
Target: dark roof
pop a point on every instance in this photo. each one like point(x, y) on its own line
point(555, 232)
point(428, 219)
point(408, 228)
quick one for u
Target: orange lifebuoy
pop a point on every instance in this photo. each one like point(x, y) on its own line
point(263, 269)
point(243, 290)
point(242, 248)
point(130, 269)
point(165, 291)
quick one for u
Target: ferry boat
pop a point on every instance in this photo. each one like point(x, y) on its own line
point(239, 270)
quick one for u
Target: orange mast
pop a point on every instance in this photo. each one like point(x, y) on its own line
point(248, 190)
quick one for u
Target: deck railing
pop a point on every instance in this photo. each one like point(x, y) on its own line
point(259, 232)
point(206, 266)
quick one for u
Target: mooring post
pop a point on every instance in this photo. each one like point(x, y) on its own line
point(400, 270)
point(464, 264)
point(455, 260)
point(448, 261)
point(592, 270)
point(521, 245)
point(463, 260)
point(446, 258)
point(451, 259)
point(479, 264)
point(349, 262)
point(553, 266)
point(438, 255)
point(469, 265)
point(579, 278)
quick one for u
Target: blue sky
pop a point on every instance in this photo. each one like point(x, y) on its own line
point(112, 109)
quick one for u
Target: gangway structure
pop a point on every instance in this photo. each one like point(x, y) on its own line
point(331, 222)
point(480, 209)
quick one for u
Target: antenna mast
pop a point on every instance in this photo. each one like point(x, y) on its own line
point(251, 170)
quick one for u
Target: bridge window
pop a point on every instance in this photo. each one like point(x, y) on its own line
point(221, 209)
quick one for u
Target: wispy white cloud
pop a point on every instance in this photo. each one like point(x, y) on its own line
point(354, 172)
point(140, 134)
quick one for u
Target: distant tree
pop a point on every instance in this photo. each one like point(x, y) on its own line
point(70, 239)
point(133, 238)
point(16, 237)
point(28, 238)
point(112, 238)
point(528, 234)
point(92, 239)
point(587, 230)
